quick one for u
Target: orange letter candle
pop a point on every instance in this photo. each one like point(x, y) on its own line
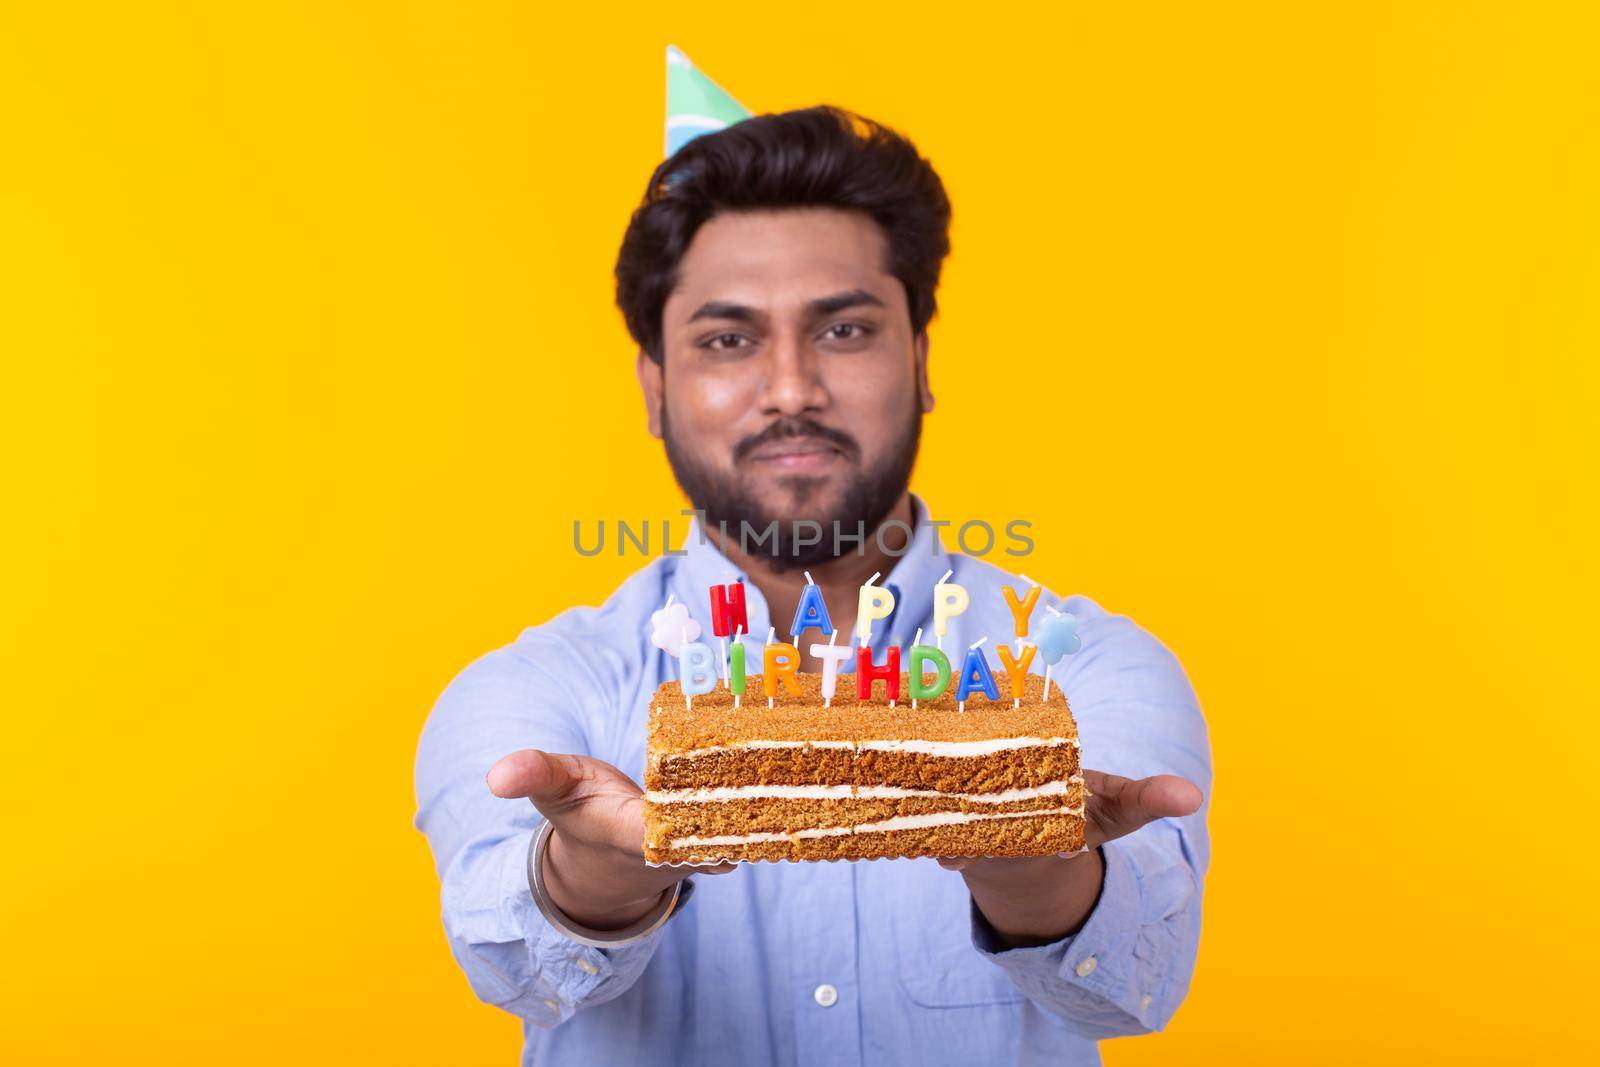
point(780, 660)
point(1021, 610)
point(1017, 669)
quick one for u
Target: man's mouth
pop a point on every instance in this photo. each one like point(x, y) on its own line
point(796, 454)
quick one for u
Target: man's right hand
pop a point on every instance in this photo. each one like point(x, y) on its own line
point(594, 866)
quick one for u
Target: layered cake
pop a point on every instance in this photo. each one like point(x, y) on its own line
point(860, 779)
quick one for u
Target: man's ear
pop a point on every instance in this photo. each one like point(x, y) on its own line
point(924, 390)
point(649, 372)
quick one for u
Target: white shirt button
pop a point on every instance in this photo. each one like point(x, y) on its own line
point(826, 995)
point(586, 967)
point(1086, 968)
point(1144, 1002)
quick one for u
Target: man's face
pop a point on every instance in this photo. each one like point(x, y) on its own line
point(791, 385)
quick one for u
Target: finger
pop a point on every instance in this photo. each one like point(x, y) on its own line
point(553, 781)
point(954, 863)
point(721, 868)
point(1118, 806)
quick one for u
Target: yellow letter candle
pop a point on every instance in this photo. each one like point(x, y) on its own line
point(949, 600)
point(876, 603)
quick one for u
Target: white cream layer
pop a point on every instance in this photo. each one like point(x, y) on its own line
point(899, 822)
point(987, 747)
point(717, 794)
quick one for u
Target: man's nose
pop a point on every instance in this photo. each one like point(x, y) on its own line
point(794, 380)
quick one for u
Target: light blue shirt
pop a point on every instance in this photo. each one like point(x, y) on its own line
point(737, 976)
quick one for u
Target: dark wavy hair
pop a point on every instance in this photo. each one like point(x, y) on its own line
point(814, 157)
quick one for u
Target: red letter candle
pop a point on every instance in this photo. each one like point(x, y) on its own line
point(866, 673)
point(727, 608)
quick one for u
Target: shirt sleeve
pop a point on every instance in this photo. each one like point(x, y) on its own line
point(1128, 968)
point(512, 957)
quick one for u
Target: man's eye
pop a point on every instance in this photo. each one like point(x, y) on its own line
point(846, 331)
point(724, 342)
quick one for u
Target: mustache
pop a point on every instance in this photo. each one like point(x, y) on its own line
point(786, 428)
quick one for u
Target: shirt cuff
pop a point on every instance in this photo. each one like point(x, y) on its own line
point(987, 940)
point(1099, 959)
point(574, 971)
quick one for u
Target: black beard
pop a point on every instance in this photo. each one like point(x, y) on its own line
point(868, 497)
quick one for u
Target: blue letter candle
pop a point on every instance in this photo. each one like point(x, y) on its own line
point(975, 674)
point(811, 613)
point(697, 669)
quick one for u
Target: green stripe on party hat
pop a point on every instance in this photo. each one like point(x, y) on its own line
point(695, 103)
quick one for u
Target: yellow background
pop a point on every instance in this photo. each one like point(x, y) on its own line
point(1279, 321)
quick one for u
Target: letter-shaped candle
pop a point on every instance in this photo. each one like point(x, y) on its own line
point(780, 660)
point(736, 668)
point(949, 600)
point(831, 656)
point(866, 673)
point(876, 603)
point(1022, 609)
point(697, 669)
point(921, 654)
point(727, 609)
point(811, 613)
point(975, 674)
point(1016, 669)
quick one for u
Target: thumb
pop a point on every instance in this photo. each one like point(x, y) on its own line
point(553, 781)
point(1118, 806)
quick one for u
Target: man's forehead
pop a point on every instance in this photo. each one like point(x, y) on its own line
point(783, 258)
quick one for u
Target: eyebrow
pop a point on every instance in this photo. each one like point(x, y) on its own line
point(823, 305)
point(827, 305)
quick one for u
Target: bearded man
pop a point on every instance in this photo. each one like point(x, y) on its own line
point(778, 280)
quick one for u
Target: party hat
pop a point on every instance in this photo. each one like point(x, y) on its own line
point(695, 103)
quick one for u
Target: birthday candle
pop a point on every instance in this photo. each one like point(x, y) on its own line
point(975, 674)
point(727, 608)
point(696, 671)
point(780, 662)
point(866, 673)
point(736, 666)
point(915, 641)
point(1016, 670)
point(811, 612)
point(922, 654)
point(832, 656)
point(671, 627)
point(876, 603)
point(771, 632)
point(1058, 636)
point(727, 615)
point(1020, 609)
point(949, 600)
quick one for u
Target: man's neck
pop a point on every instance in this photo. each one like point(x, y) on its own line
point(841, 579)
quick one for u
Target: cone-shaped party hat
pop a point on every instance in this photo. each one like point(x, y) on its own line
point(695, 103)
